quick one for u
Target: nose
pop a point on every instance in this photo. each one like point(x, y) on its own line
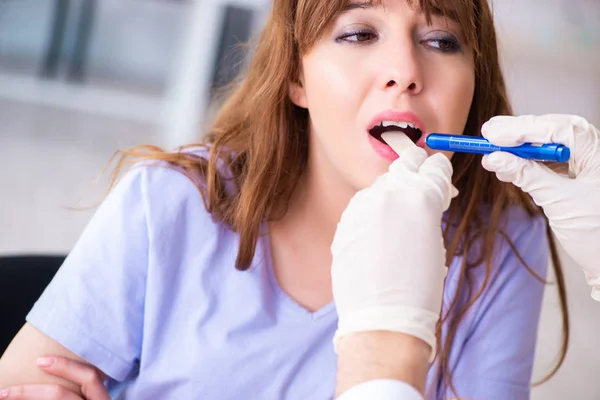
point(402, 72)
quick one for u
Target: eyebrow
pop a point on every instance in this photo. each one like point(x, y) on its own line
point(358, 5)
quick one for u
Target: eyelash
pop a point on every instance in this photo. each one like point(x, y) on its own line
point(451, 41)
point(344, 37)
point(453, 46)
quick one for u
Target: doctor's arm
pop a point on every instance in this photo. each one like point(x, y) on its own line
point(382, 365)
point(388, 275)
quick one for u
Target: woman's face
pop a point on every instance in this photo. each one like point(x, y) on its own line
point(382, 64)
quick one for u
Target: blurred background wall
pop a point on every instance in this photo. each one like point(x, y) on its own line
point(81, 78)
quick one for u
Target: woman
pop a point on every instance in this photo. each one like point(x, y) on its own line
point(150, 296)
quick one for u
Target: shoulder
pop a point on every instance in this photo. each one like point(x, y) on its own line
point(517, 234)
point(519, 224)
point(163, 202)
point(523, 243)
point(520, 257)
point(162, 187)
point(497, 299)
point(156, 174)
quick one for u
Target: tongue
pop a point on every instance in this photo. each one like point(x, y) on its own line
point(398, 141)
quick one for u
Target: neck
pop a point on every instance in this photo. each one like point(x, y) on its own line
point(301, 240)
point(317, 204)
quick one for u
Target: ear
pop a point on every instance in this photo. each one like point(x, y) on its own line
point(297, 92)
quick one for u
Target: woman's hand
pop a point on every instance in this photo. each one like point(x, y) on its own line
point(571, 202)
point(89, 379)
point(388, 252)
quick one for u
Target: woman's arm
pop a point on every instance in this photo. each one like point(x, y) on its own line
point(18, 365)
point(93, 308)
point(37, 367)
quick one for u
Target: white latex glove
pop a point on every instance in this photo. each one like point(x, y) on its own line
point(389, 258)
point(571, 202)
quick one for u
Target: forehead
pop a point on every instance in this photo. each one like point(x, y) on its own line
point(438, 8)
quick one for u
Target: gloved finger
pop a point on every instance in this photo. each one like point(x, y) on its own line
point(411, 160)
point(437, 170)
point(439, 163)
point(89, 378)
point(553, 128)
point(39, 392)
point(532, 177)
point(594, 282)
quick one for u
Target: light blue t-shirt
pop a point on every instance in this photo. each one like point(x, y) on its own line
point(150, 295)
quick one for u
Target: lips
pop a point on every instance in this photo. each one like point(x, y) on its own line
point(391, 120)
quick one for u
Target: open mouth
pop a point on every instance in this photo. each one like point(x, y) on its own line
point(407, 128)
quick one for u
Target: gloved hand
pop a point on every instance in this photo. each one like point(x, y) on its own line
point(388, 252)
point(571, 202)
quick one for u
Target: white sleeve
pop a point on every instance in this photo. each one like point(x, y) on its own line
point(382, 389)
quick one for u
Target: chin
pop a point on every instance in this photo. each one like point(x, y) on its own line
point(364, 179)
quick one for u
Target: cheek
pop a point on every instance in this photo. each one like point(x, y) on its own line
point(463, 89)
point(334, 86)
point(465, 95)
point(455, 89)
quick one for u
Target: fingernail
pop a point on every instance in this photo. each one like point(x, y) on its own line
point(3, 394)
point(45, 362)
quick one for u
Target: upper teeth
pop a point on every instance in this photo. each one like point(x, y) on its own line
point(399, 124)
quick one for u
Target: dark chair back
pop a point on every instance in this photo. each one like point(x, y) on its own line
point(22, 281)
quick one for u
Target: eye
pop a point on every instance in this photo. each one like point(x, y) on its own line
point(444, 44)
point(359, 36)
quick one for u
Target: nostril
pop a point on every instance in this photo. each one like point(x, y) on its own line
point(412, 86)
